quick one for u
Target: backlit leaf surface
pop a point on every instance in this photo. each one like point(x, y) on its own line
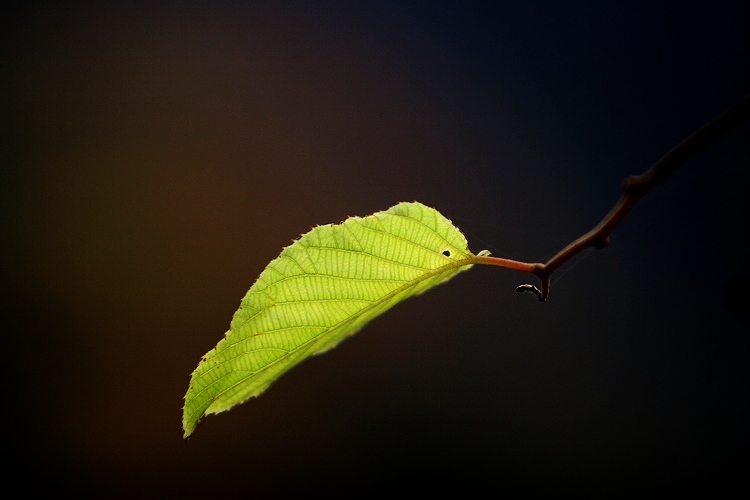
point(322, 288)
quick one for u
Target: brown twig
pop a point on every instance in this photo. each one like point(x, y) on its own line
point(634, 188)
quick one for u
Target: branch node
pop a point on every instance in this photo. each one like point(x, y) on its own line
point(600, 242)
point(631, 181)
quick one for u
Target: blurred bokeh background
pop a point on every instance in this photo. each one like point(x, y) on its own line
point(157, 155)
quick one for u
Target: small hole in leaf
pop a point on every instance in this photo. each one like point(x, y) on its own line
point(447, 253)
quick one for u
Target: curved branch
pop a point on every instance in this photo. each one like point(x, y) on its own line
point(634, 188)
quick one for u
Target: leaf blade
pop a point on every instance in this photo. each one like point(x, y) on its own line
point(321, 289)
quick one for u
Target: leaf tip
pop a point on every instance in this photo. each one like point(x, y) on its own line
point(188, 428)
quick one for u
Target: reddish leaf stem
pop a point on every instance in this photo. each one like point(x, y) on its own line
point(634, 188)
point(511, 264)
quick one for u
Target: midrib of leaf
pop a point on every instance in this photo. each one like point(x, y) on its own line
point(353, 317)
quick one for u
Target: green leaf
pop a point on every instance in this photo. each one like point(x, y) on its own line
point(321, 289)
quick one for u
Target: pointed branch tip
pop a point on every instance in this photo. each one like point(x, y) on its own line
point(532, 289)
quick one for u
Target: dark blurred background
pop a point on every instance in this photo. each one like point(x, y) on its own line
point(157, 155)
